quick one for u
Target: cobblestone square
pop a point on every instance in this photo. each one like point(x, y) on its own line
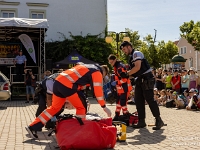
point(181, 132)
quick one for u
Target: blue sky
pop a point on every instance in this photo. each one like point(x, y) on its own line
point(166, 16)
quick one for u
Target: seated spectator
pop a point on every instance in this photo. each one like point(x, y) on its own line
point(169, 94)
point(171, 102)
point(156, 98)
point(163, 98)
point(194, 102)
point(186, 95)
point(191, 93)
point(180, 102)
point(155, 91)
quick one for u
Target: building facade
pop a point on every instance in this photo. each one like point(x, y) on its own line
point(187, 51)
point(79, 17)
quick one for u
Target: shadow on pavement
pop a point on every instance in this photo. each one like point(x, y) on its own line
point(2, 108)
point(147, 137)
point(129, 129)
point(47, 143)
point(20, 103)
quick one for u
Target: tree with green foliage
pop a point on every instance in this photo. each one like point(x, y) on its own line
point(134, 39)
point(158, 54)
point(151, 52)
point(95, 48)
point(91, 47)
point(166, 51)
point(191, 32)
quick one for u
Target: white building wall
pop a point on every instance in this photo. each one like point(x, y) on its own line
point(80, 17)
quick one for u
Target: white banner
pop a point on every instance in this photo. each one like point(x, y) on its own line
point(7, 61)
point(28, 44)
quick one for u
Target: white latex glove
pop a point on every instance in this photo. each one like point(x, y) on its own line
point(108, 112)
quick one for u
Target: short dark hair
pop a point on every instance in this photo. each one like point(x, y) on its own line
point(112, 57)
point(125, 43)
point(176, 70)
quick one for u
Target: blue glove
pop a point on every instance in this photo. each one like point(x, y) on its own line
point(114, 83)
point(53, 119)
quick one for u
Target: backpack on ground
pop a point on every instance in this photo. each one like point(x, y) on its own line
point(170, 104)
point(74, 133)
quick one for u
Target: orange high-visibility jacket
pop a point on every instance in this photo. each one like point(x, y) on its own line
point(123, 84)
point(84, 74)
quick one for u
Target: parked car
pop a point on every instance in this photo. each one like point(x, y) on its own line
point(5, 91)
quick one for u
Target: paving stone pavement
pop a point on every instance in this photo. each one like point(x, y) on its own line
point(181, 132)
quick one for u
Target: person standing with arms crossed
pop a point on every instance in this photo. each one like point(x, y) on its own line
point(140, 69)
point(20, 63)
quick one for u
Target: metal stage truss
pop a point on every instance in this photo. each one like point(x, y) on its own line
point(11, 28)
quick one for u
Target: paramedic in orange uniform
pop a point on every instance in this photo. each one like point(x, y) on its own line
point(66, 88)
point(123, 86)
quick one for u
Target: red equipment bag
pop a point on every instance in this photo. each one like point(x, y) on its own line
point(107, 121)
point(133, 119)
point(75, 133)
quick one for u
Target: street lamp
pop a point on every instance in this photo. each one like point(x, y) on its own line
point(109, 39)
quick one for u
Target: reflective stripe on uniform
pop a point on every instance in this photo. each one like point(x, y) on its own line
point(99, 98)
point(81, 116)
point(124, 107)
point(118, 105)
point(137, 58)
point(121, 81)
point(119, 87)
point(47, 114)
point(83, 87)
point(42, 119)
point(97, 83)
point(129, 85)
point(76, 72)
point(68, 77)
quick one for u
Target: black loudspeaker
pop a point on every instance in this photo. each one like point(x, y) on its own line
point(49, 64)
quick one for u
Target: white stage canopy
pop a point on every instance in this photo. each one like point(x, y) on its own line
point(24, 22)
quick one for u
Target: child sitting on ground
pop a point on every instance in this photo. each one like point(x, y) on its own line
point(163, 98)
point(180, 102)
point(194, 102)
point(171, 100)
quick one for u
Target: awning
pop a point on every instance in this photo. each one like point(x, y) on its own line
point(74, 57)
point(11, 28)
point(24, 22)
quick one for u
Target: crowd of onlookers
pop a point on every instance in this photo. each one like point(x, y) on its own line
point(177, 88)
point(173, 88)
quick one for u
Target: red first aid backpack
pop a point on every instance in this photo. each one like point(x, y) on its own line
point(133, 119)
point(75, 133)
